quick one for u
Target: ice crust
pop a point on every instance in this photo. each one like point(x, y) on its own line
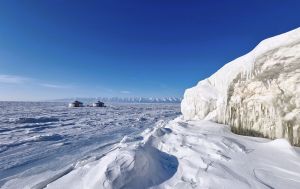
point(259, 91)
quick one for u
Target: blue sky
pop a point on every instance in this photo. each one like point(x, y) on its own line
point(57, 49)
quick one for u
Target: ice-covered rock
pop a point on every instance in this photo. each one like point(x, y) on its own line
point(258, 92)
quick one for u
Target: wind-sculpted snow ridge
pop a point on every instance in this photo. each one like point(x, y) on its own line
point(188, 154)
point(258, 92)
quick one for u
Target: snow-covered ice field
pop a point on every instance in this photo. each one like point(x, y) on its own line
point(41, 142)
point(135, 146)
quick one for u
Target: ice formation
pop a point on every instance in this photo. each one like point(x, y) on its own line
point(258, 92)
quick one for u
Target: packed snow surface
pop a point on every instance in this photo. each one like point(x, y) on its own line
point(259, 91)
point(189, 154)
point(41, 142)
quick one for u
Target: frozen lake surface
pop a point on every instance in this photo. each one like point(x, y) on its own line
point(45, 138)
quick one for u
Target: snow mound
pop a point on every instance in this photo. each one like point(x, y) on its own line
point(256, 92)
point(131, 165)
point(140, 167)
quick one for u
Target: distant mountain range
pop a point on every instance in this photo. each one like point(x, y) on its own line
point(125, 100)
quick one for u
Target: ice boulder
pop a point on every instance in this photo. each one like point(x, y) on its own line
point(258, 93)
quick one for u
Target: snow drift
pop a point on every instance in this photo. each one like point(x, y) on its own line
point(134, 163)
point(258, 92)
point(189, 154)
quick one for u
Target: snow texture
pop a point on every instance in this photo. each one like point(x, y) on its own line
point(41, 142)
point(257, 92)
point(189, 154)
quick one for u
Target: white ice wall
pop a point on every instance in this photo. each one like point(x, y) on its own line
point(259, 91)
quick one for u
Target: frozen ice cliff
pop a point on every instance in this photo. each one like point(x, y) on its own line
point(258, 92)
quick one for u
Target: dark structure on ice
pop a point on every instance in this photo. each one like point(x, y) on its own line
point(76, 103)
point(98, 104)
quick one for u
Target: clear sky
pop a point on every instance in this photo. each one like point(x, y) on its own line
point(69, 48)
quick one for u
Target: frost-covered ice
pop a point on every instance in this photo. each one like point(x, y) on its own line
point(189, 154)
point(40, 142)
point(259, 91)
